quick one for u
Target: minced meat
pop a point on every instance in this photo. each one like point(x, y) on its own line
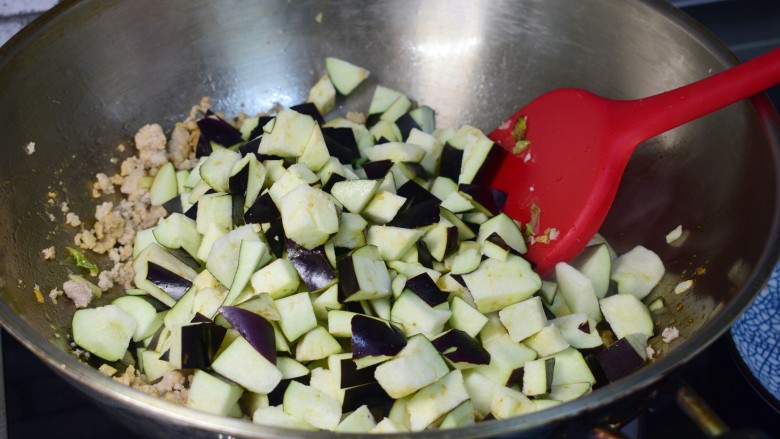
point(79, 292)
point(151, 144)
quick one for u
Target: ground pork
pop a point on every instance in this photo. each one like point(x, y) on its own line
point(55, 294)
point(72, 219)
point(48, 253)
point(79, 292)
point(173, 385)
point(150, 142)
point(357, 117)
point(180, 150)
point(669, 334)
point(102, 185)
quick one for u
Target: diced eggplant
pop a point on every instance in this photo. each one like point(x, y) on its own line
point(309, 109)
point(316, 345)
point(297, 315)
point(377, 170)
point(372, 337)
point(203, 147)
point(193, 345)
point(417, 365)
point(417, 215)
point(169, 282)
point(309, 216)
point(503, 226)
point(212, 394)
point(359, 421)
point(323, 95)
point(278, 279)
point(547, 341)
point(344, 75)
point(460, 349)
point(223, 257)
point(263, 210)
point(570, 367)
point(577, 290)
point(383, 207)
point(214, 129)
point(627, 315)
point(523, 319)
point(355, 195)
point(426, 288)
point(496, 284)
point(393, 242)
point(165, 186)
point(350, 375)
point(312, 265)
point(274, 236)
point(623, 357)
point(341, 143)
point(105, 331)
point(362, 278)
point(371, 394)
point(435, 400)
point(637, 272)
point(417, 317)
point(538, 376)
point(451, 162)
point(595, 263)
point(466, 318)
point(254, 328)
point(243, 364)
point(508, 403)
point(481, 197)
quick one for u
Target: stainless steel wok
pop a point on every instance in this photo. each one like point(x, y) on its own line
point(84, 77)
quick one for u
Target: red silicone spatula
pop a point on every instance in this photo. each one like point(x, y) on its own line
point(580, 144)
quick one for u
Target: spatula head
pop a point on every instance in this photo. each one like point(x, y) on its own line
point(565, 180)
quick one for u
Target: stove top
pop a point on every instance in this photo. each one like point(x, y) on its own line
point(38, 401)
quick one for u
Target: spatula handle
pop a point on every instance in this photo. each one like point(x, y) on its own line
point(649, 117)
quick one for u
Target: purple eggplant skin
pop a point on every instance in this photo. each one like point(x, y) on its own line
point(452, 241)
point(171, 283)
point(217, 130)
point(496, 239)
point(203, 148)
point(155, 340)
point(251, 146)
point(263, 210)
point(258, 130)
point(309, 109)
point(482, 195)
point(341, 144)
point(173, 205)
point(351, 376)
point(312, 265)
point(406, 124)
point(276, 397)
point(459, 279)
point(424, 255)
point(426, 289)
point(378, 169)
point(348, 282)
point(516, 377)
point(237, 210)
point(238, 181)
point(451, 160)
point(417, 170)
point(197, 350)
point(584, 327)
point(332, 180)
point(372, 119)
point(459, 347)
point(372, 395)
point(274, 236)
point(382, 140)
point(192, 212)
point(419, 214)
point(254, 328)
point(416, 194)
point(499, 198)
point(372, 337)
point(619, 360)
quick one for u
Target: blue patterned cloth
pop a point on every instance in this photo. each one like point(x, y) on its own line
point(757, 336)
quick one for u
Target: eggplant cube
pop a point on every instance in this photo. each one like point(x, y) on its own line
point(538, 376)
point(351, 231)
point(211, 394)
point(505, 357)
point(577, 290)
point(506, 228)
point(311, 405)
point(459, 416)
point(466, 318)
point(523, 319)
point(392, 242)
point(547, 341)
point(359, 421)
point(297, 315)
point(498, 284)
point(344, 75)
point(383, 207)
point(289, 136)
point(316, 345)
point(417, 365)
point(570, 367)
point(435, 400)
point(637, 272)
point(362, 279)
point(275, 416)
point(323, 95)
point(417, 317)
point(508, 403)
point(279, 279)
point(105, 331)
point(355, 195)
point(309, 216)
point(315, 153)
point(623, 357)
point(243, 364)
point(480, 389)
point(627, 315)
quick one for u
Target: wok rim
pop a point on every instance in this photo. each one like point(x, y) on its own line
point(80, 374)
